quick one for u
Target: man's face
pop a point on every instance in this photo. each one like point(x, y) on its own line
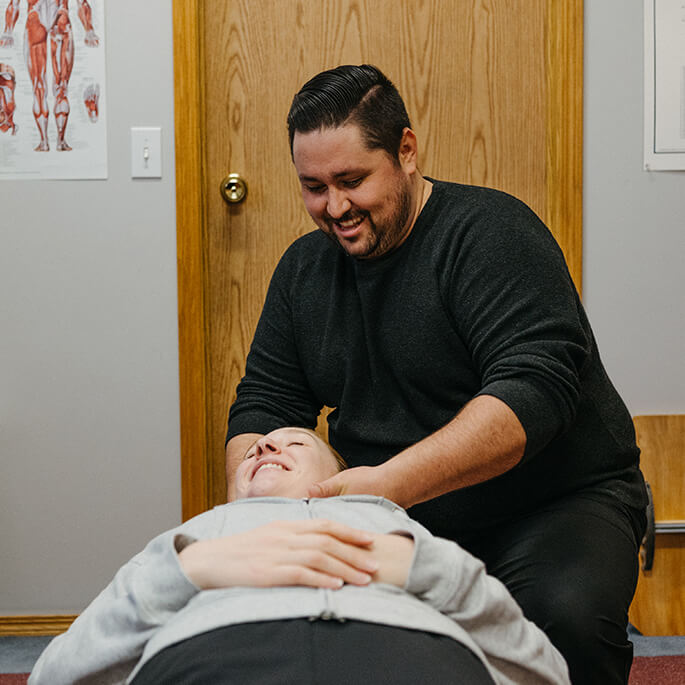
point(284, 463)
point(359, 197)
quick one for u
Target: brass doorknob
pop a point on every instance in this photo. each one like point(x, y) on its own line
point(233, 189)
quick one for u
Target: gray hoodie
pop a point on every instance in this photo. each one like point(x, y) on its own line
point(151, 604)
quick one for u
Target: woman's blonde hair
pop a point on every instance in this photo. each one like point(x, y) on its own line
point(342, 464)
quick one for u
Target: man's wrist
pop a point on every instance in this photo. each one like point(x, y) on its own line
point(397, 486)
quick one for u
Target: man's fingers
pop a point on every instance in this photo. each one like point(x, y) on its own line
point(316, 490)
point(331, 487)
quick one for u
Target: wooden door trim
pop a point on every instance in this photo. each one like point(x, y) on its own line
point(50, 624)
point(564, 206)
point(189, 113)
point(564, 130)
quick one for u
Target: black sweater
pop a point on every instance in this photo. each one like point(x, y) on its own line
point(478, 300)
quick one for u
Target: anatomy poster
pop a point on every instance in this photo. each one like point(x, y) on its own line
point(52, 89)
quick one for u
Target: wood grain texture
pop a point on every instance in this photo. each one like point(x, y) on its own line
point(662, 444)
point(659, 604)
point(475, 78)
point(564, 130)
point(35, 625)
point(190, 219)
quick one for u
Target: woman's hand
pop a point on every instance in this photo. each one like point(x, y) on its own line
point(394, 554)
point(314, 553)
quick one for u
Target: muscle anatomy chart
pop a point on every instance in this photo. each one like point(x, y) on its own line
point(52, 89)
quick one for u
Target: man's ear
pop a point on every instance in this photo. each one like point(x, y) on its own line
point(408, 151)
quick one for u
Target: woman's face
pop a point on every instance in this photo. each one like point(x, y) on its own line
point(284, 463)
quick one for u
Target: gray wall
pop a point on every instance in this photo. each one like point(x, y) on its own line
point(634, 222)
point(89, 443)
point(89, 434)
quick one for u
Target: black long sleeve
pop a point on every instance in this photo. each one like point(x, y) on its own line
point(478, 300)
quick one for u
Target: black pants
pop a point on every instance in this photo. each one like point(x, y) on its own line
point(303, 652)
point(572, 566)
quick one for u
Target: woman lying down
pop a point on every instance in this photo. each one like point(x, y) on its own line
point(277, 588)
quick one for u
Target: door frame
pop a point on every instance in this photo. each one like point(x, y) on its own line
point(564, 205)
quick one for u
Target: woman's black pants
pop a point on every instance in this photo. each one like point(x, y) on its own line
point(304, 652)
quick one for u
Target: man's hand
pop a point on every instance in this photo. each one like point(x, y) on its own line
point(360, 480)
point(235, 453)
point(483, 441)
point(315, 553)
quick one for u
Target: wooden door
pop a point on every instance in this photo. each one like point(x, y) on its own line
point(494, 91)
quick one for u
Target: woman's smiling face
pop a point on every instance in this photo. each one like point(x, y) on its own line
point(284, 463)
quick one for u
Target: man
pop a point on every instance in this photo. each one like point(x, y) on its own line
point(441, 324)
point(271, 589)
point(49, 18)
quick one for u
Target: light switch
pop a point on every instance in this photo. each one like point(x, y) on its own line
point(146, 152)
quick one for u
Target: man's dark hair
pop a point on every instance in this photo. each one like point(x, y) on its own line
point(350, 94)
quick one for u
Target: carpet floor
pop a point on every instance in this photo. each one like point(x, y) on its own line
point(647, 670)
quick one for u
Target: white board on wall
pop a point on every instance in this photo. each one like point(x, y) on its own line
point(664, 95)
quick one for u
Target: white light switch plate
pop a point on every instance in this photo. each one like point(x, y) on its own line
point(146, 152)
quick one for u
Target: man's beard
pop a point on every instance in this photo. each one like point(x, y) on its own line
point(384, 234)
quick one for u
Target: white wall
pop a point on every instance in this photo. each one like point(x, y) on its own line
point(634, 222)
point(89, 446)
point(89, 434)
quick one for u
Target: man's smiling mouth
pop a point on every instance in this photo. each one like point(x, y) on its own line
point(351, 223)
point(348, 227)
